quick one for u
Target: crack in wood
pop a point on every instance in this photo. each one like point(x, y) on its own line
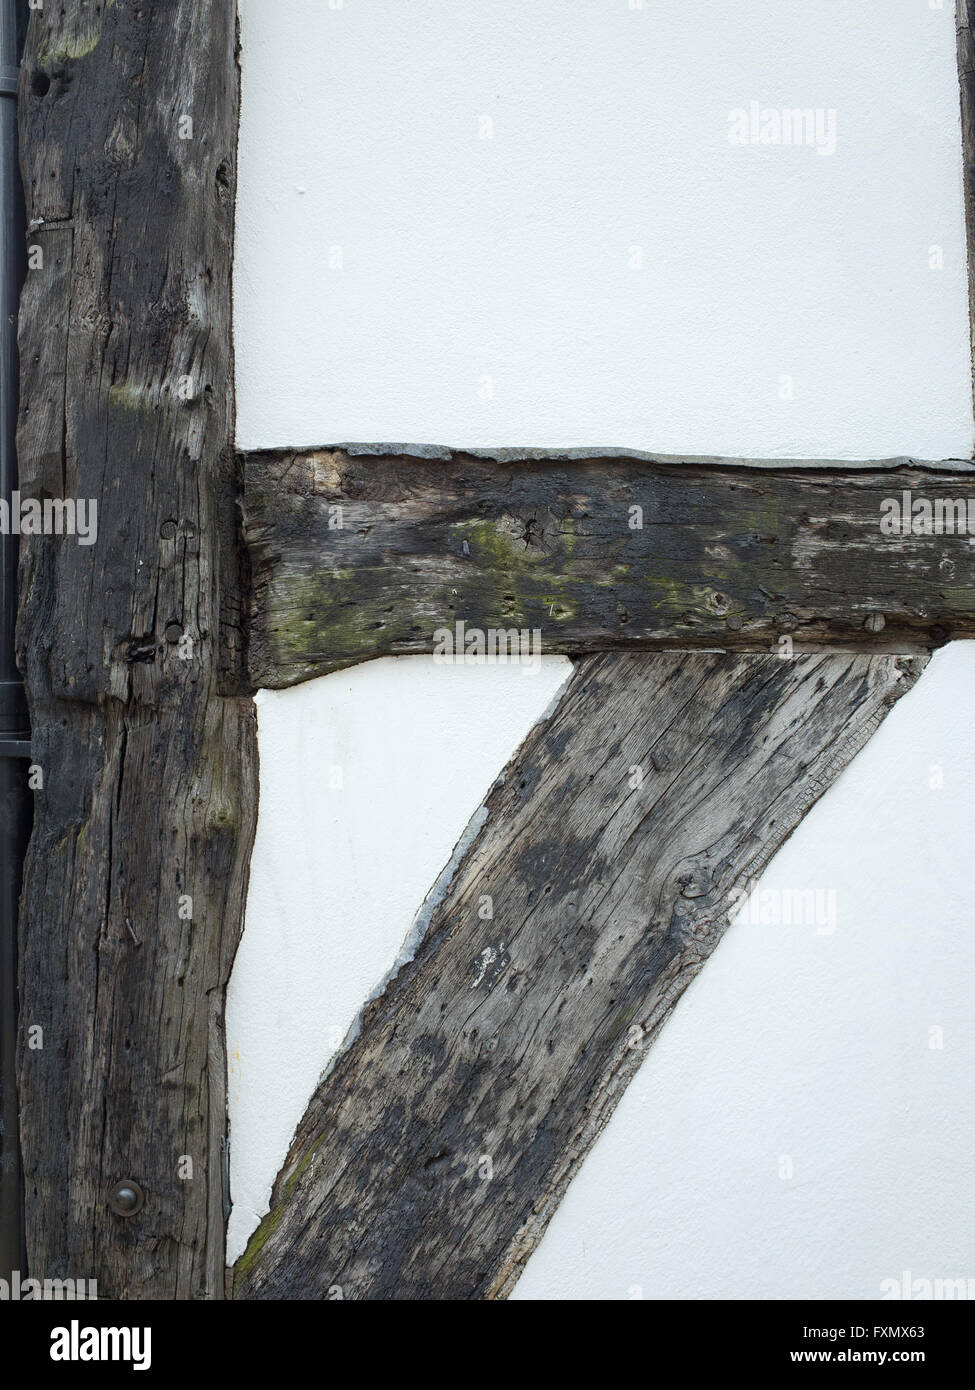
point(437, 1147)
point(355, 556)
point(137, 868)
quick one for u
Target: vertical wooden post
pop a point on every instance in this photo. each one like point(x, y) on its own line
point(14, 797)
point(144, 735)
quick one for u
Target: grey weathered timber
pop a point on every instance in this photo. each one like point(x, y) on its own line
point(128, 140)
point(436, 1149)
point(357, 555)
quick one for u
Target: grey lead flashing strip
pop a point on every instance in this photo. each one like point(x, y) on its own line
point(530, 455)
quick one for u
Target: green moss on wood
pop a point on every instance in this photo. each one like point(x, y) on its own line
point(76, 47)
point(257, 1242)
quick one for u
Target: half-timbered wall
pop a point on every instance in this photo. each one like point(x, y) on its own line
point(500, 225)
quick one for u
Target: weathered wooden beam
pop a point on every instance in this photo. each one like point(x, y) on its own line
point(357, 555)
point(436, 1149)
point(137, 869)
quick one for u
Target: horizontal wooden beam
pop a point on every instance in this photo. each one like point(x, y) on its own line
point(358, 554)
point(600, 878)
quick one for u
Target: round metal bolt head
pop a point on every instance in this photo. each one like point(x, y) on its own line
point(168, 530)
point(875, 622)
point(127, 1198)
point(173, 632)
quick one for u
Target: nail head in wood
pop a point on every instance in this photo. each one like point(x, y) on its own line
point(127, 1198)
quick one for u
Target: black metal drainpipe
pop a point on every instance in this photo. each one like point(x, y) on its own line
point(15, 798)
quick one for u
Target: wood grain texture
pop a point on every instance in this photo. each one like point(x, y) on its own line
point(357, 556)
point(512, 1038)
point(126, 645)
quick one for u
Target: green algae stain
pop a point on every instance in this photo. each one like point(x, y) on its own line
point(257, 1243)
point(66, 50)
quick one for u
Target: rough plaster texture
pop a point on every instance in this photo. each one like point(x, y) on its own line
point(508, 258)
point(368, 779)
point(850, 1052)
point(485, 295)
point(813, 1040)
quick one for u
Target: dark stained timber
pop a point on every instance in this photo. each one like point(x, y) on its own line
point(435, 1151)
point(357, 555)
point(137, 869)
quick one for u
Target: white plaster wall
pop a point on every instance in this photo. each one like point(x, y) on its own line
point(368, 780)
point(485, 295)
point(812, 1045)
point(507, 258)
